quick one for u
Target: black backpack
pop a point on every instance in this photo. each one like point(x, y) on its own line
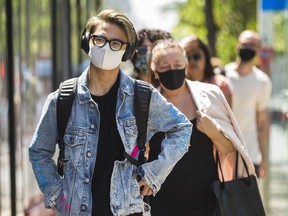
point(141, 109)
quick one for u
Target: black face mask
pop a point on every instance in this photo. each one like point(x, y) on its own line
point(246, 54)
point(172, 79)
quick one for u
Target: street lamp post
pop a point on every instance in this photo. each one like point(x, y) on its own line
point(11, 110)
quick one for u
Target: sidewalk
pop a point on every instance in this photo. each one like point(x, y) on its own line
point(274, 187)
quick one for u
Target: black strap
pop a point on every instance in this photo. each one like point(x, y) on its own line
point(141, 110)
point(218, 163)
point(142, 99)
point(64, 107)
point(131, 159)
point(236, 165)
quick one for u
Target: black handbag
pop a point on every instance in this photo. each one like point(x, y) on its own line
point(238, 197)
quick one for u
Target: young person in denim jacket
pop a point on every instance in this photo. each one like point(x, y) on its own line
point(97, 179)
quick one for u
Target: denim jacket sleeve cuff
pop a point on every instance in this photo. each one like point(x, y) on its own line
point(148, 178)
point(51, 196)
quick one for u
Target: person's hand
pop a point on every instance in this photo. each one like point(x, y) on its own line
point(145, 189)
point(205, 124)
point(262, 169)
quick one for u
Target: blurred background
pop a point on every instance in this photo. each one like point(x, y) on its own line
point(40, 47)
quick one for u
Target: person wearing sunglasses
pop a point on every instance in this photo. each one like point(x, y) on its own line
point(146, 37)
point(187, 189)
point(199, 65)
point(97, 179)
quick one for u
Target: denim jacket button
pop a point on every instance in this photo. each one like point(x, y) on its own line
point(83, 207)
point(92, 126)
point(92, 105)
point(88, 154)
point(87, 180)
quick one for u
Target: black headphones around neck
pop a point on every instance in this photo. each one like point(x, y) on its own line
point(130, 50)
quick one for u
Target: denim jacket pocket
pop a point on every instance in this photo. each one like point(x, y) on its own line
point(74, 146)
point(130, 131)
point(125, 192)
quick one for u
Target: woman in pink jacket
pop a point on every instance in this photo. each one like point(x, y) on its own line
point(186, 191)
point(199, 67)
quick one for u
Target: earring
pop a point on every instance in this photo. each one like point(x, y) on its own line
point(156, 77)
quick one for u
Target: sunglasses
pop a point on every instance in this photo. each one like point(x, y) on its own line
point(142, 50)
point(195, 56)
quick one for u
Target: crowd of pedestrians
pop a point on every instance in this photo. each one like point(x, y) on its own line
point(195, 116)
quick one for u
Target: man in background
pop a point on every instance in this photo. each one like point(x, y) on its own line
point(251, 90)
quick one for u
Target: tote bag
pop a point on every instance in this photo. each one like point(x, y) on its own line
point(238, 197)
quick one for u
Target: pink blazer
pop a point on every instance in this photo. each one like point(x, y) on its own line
point(210, 99)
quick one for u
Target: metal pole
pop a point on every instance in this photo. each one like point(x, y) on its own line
point(10, 88)
point(79, 32)
point(66, 39)
point(54, 43)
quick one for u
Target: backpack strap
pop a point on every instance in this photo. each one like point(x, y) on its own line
point(141, 110)
point(142, 98)
point(64, 106)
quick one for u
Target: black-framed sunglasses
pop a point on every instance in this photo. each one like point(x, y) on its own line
point(195, 56)
point(114, 44)
point(142, 50)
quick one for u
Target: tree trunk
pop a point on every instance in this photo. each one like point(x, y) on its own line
point(210, 25)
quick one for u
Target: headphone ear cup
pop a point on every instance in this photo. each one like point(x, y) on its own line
point(131, 48)
point(129, 52)
point(85, 42)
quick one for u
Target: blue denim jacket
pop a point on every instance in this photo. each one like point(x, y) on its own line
point(71, 195)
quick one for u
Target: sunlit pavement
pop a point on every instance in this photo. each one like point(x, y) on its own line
point(274, 187)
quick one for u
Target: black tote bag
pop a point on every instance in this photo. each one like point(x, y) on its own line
point(238, 197)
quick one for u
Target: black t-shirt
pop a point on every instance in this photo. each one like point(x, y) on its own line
point(186, 190)
point(110, 148)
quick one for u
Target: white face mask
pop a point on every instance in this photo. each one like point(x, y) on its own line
point(104, 57)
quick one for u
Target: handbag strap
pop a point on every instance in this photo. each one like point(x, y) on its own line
point(236, 165)
point(245, 166)
point(218, 163)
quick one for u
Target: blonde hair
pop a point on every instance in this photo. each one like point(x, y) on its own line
point(160, 47)
point(113, 17)
point(157, 49)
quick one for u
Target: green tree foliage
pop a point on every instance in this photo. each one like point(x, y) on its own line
point(32, 24)
point(2, 28)
point(31, 27)
point(280, 20)
point(230, 17)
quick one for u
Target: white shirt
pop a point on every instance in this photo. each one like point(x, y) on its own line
point(251, 93)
